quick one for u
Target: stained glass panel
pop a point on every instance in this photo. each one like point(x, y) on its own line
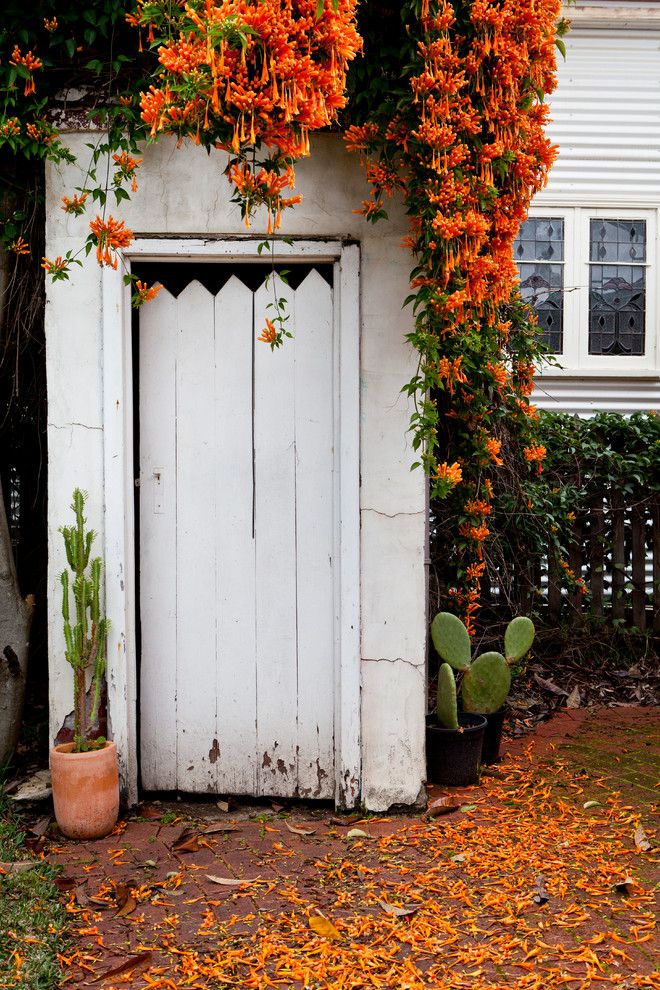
point(617, 309)
point(617, 241)
point(539, 251)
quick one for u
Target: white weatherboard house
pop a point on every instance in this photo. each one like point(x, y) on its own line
point(264, 537)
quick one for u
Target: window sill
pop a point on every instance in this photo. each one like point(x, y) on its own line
point(621, 372)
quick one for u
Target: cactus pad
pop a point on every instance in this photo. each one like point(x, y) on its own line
point(446, 707)
point(451, 640)
point(486, 684)
point(518, 638)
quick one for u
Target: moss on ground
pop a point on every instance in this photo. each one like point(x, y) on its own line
point(32, 920)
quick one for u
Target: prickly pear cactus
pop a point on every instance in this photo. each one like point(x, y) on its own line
point(518, 638)
point(486, 684)
point(451, 640)
point(446, 707)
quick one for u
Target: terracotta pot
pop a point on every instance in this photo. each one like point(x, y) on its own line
point(85, 790)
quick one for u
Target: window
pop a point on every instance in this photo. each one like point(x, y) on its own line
point(617, 277)
point(587, 274)
point(539, 251)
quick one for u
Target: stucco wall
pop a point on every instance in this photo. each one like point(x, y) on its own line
point(183, 192)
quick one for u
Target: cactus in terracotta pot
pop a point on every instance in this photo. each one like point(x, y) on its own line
point(84, 772)
point(86, 631)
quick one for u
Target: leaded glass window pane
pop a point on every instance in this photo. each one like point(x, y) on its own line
point(539, 252)
point(617, 292)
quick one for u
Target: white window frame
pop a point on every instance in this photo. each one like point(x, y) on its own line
point(575, 361)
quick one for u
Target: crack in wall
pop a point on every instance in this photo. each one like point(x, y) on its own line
point(410, 663)
point(67, 426)
point(391, 515)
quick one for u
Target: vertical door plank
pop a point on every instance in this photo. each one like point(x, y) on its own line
point(235, 548)
point(157, 498)
point(275, 529)
point(196, 551)
point(313, 388)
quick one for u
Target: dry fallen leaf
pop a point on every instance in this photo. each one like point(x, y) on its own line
point(22, 865)
point(642, 840)
point(358, 833)
point(300, 831)
point(324, 927)
point(550, 686)
point(541, 896)
point(344, 822)
point(442, 806)
point(399, 912)
point(591, 804)
point(223, 805)
point(82, 900)
point(141, 960)
point(149, 811)
point(625, 886)
point(126, 903)
point(63, 883)
point(214, 829)
point(187, 842)
point(41, 827)
point(574, 700)
point(229, 881)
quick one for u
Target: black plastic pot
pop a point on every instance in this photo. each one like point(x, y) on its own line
point(453, 756)
point(492, 737)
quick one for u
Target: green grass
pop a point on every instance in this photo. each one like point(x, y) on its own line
point(32, 919)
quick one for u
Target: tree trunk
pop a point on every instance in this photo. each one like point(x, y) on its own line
point(15, 620)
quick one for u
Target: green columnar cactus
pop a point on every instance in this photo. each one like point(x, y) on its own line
point(85, 638)
point(446, 706)
point(486, 684)
point(451, 640)
point(486, 681)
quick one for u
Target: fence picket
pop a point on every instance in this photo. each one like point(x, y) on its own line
point(618, 555)
point(638, 554)
point(596, 562)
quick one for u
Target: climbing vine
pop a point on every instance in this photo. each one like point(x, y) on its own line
point(449, 112)
point(463, 139)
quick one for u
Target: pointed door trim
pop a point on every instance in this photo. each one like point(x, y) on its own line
point(119, 534)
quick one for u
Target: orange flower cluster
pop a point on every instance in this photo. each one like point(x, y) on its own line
point(269, 334)
point(109, 236)
point(58, 267)
point(239, 74)
point(20, 246)
point(535, 455)
point(10, 127)
point(579, 582)
point(448, 476)
point(30, 63)
point(144, 293)
point(494, 447)
point(75, 205)
point(470, 145)
point(126, 166)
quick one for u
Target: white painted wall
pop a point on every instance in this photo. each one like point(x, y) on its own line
point(183, 192)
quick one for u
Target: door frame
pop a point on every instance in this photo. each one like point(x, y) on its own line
point(119, 531)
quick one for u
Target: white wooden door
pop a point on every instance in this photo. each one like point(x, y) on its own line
point(237, 541)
